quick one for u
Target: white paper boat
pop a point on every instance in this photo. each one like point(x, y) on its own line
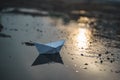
point(50, 48)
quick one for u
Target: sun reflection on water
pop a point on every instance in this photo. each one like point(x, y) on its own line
point(83, 37)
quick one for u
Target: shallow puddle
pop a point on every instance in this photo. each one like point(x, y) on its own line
point(91, 49)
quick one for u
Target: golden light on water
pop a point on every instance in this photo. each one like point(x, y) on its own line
point(83, 37)
point(84, 32)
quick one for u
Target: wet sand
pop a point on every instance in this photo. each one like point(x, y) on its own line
point(91, 50)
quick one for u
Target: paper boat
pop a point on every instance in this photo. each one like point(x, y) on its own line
point(50, 48)
point(49, 52)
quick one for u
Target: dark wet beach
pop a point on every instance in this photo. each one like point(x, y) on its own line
point(91, 50)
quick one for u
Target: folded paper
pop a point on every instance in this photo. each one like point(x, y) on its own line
point(50, 48)
point(49, 52)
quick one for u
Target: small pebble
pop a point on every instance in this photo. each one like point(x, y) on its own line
point(85, 68)
point(108, 58)
point(72, 58)
point(86, 64)
point(112, 54)
point(111, 61)
point(95, 61)
point(82, 55)
point(101, 61)
point(117, 71)
point(99, 54)
point(106, 52)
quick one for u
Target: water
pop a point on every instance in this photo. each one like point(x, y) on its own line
point(91, 50)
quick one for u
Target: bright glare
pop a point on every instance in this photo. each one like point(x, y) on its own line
point(83, 37)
